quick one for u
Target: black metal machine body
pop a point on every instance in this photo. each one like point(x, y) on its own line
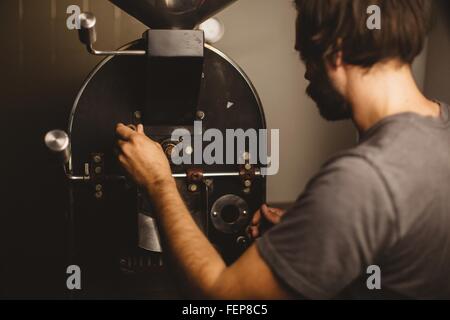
point(169, 79)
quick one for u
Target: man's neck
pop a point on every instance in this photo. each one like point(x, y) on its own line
point(385, 90)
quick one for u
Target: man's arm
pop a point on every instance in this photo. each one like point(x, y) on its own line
point(204, 268)
point(248, 278)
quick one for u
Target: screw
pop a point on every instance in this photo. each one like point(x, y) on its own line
point(215, 214)
point(247, 190)
point(138, 115)
point(248, 166)
point(209, 182)
point(241, 240)
point(247, 183)
point(98, 187)
point(188, 150)
point(201, 115)
point(97, 159)
point(193, 188)
point(98, 170)
point(244, 212)
point(99, 194)
point(246, 156)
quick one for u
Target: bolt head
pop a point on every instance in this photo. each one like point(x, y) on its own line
point(188, 150)
point(247, 183)
point(137, 114)
point(97, 159)
point(193, 187)
point(99, 194)
point(200, 115)
point(98, 170)
point(241, 240)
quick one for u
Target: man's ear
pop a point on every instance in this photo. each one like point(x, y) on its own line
point(337, 72)
point(339, 62)
point(335, 61)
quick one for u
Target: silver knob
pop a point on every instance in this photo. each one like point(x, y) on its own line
point(58, 142)
point(87, 32)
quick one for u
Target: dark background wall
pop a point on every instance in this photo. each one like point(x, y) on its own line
point(42, 66)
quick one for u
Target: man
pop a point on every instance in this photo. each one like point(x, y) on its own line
point(385, 202)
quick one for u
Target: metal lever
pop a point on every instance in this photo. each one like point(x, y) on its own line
point(59, 143)
point(88, 36)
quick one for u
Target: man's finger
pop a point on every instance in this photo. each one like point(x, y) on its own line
point(254, 232)
point(124, 132)
point(121, 143)
point(256, 217)
point(271, 214)
point(140, 128)
point(122, 159)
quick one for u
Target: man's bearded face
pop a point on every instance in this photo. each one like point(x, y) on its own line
point(331, 103)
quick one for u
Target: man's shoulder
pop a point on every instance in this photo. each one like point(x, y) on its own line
point(399, 138)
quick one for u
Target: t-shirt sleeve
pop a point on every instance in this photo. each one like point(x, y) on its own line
point(333, 232)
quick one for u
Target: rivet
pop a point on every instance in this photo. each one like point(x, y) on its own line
point(193, 188)
point(97, 159)
point(138, 115)
point(200, 115)
point(241, 240)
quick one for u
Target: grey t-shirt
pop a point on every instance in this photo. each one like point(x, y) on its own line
point(385, 202)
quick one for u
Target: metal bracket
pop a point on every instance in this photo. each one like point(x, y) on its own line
point(97, 174)
point(248, 173)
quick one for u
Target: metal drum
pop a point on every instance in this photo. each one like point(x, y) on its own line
point(106, 209)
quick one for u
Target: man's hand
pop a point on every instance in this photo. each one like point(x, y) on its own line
point(143, 158)
point(267, 215)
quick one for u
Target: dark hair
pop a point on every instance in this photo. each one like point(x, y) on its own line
point(325, 27)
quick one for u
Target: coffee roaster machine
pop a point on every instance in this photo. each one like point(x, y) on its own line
point(165, 81)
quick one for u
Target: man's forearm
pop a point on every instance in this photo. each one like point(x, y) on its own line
point(194, 254)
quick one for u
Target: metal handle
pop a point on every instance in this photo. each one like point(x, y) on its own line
point(174, 175)
point(87, 32)
point(58, 142)
point(88, 36)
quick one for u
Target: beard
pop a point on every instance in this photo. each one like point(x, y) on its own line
point(331, 103)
